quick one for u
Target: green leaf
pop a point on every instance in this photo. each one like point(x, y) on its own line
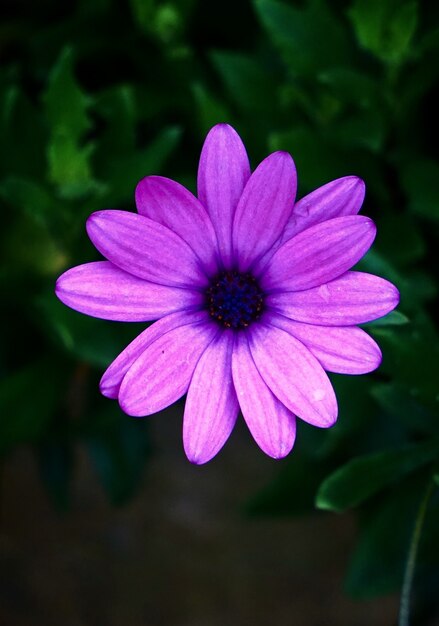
point(377, 563)
point(31, 248)
point(386, 529)
point(304, 144)
point(22, 136)
point(167, 23)
point(118, 161)
point(68, 119)
point(397, 400)
point(365, 476)
point(28, 399)
point(143, 13)
point(65, 102)
point(124, 172)
point(246, 79)
point(210, 109)
point(418, 374)
point(394, 318)
point(377, 263)
point(351, 86)
point(310, 39)
point(70, 166)
point(30, 243)
point(164, 21)
point(414, 287)
point(385, 27)
point(364, 129)
point(28, 196)
point(118, 108)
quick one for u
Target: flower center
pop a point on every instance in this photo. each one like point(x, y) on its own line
point(234, 300)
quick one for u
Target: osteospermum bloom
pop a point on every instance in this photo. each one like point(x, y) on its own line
point(253, 294)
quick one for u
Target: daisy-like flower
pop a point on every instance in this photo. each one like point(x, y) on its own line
point(253, 294)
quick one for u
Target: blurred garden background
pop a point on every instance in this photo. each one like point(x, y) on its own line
point(102, 518)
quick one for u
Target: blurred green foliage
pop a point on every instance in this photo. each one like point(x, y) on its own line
point(96, 95)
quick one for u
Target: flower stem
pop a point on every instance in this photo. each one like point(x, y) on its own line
point(404, 608)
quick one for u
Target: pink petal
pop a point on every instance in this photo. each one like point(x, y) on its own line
point(211, 406)
point(103, 290)
point(114, 375)
point(145, 248)
point(222, 174)
point(169, 203)
point(272, 425)
point(343, 196)
point(345, 350)
point(264, 208)
point(353, 298)
point(294, 375)
point(319, 254)
point(162, 373)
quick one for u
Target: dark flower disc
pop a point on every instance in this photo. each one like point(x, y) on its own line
point(234, 300)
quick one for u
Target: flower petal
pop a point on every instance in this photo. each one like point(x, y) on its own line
point(345, 350)
point(162, 373)
point(101, 289)
point(264, 208)
point(169, 203)
point(222, 174)
point(272, 425)
point(211, 405)
point(343, 196)
point(294, 375)
point(319, 254)
point(354, 298)
point(114, 375)
point(145, 248)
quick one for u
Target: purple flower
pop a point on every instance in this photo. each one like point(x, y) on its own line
point(254, 295)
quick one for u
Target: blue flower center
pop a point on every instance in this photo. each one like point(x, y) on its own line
point(234, 300)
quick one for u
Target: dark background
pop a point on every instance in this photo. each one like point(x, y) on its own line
point(103, 520)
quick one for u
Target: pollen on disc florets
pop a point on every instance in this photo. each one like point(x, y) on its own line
point(234, 299)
